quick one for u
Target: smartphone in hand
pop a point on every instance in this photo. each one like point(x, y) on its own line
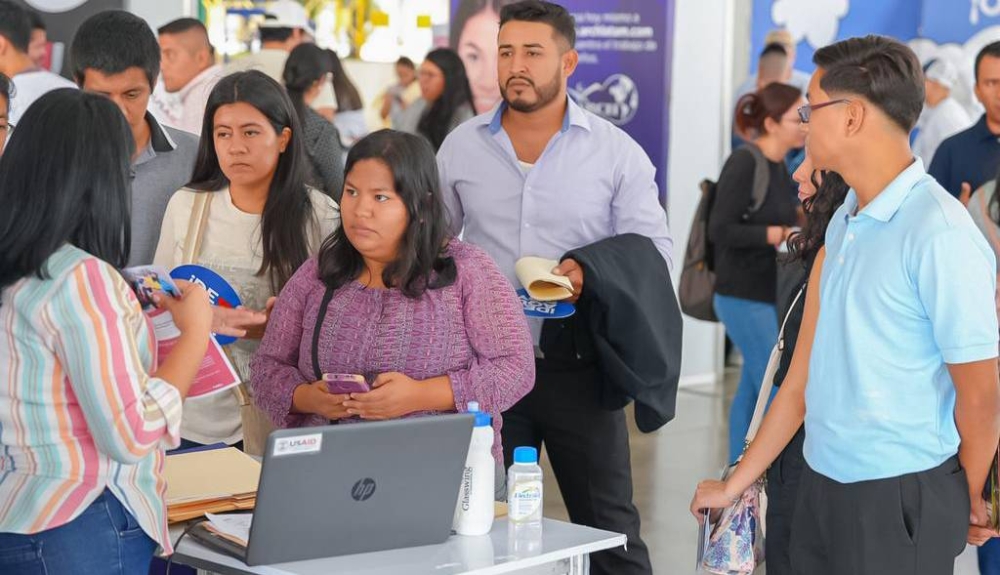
point(345, 383)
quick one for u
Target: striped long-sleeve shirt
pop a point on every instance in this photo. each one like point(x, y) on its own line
point(79, 411)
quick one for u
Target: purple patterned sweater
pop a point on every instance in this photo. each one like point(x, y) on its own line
point(473, 331)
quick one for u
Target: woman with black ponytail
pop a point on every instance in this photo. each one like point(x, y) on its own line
point(306, 71)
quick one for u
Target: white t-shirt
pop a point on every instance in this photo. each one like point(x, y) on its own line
point(231, 247)
point(938, 124)
point(30, 86)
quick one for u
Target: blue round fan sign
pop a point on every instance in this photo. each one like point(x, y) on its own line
point(544, 309)
point(220, 293)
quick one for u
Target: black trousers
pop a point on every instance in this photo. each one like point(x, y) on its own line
point(783, 478)
point(588, 448)
point(914, 524)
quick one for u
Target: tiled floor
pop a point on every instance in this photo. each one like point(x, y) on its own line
point(666, 467)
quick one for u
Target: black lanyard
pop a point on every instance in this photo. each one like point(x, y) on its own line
point(320, 318)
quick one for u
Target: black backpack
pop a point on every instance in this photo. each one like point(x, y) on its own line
point(697, 286)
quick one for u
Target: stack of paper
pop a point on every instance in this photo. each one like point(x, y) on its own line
point(213, 481)
point(235, 527)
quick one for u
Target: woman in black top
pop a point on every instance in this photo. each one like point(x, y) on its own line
point(821, 195)
point(306, 69)
point(745, 239)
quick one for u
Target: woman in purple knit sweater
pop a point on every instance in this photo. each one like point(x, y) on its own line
point(428, 320)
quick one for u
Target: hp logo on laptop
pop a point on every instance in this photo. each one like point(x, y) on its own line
point(363, 489)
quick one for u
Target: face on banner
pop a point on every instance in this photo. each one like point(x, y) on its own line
point(477, 24)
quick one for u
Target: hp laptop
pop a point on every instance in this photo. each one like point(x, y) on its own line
point(354, 488)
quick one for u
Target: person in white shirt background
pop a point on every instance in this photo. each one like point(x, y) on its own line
point(39, 42)
point(287, 25)
point(793, 77)
point(943, 116)
point(188, 74)
point(30, 81)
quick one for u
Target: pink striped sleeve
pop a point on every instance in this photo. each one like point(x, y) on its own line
point(104, 348)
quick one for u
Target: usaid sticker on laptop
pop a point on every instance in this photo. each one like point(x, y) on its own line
point(544, 309)
point(298, 445)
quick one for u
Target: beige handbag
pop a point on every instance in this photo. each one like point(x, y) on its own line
point(256, 425)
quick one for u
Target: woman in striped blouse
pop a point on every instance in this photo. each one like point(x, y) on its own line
point(84, 412)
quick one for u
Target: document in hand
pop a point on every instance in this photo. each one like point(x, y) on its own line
point(216, 372)
point(213, 481)
point(535, 274)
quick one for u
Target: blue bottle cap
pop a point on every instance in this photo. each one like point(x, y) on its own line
point(483, 419)
point(473, 406)
point(526, 455)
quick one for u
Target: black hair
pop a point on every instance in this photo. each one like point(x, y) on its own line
point(59, 188)
point(436, 122)
point(406, 63)
point(37, 22)
point(274, 34)
point(469, 8)
point(112, 42)
point(348, 97)
point(6, 90)
point(882, 70)
point(306, 64)
point(774, 48)
point(830, 193)
point(288, 210)
point(545, 12)
point(422, 262)
point(992, 50)
point(15, 25)
point(182, 25)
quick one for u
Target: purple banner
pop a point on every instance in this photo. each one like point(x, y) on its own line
point(624, 72)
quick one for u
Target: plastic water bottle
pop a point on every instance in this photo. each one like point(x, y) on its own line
point(474, 513)
point(524, 488)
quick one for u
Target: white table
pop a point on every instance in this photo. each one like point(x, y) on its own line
point(563, 549)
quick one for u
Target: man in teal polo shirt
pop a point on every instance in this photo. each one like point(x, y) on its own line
point(895, 370)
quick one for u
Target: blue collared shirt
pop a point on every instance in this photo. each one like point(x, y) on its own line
point(970, 156)
point(907, 288)
point(592, 182)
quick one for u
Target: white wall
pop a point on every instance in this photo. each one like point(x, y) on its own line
point(159, 12)
point(702, 74)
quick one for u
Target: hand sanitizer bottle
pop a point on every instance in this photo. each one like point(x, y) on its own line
point(474, 513)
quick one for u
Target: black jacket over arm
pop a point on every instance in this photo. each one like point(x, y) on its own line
point(628, 323)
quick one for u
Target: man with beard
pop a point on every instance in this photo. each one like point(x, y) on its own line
point(540, 176)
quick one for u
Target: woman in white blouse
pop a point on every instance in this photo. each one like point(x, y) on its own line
point(261, 222)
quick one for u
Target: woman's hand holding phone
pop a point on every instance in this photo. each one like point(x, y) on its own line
point(315, 398)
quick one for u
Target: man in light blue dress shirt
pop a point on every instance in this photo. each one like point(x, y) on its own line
point(540, 176)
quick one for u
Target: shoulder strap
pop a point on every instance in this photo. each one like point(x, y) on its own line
point(987, 220)
point(320, 318)
point(772, 369)
point(196, 227)
point(761, 180)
